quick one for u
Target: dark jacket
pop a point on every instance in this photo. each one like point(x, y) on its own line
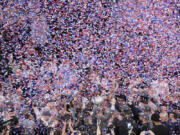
point(160, 130)
point(124, 126)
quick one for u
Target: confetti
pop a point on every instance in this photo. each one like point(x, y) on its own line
point(49, 48)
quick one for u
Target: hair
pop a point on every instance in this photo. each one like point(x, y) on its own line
point(121, 96)
point(46, 113)
point(155, 117)
point(163, 114)
point(147, 109)
point(144, 116)
point(175, 115)
point(27, 116)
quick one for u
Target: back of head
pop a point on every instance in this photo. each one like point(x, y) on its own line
point(155, 117)
point(164, 116)
point(14, 120)
point(126, 111)
point(147, 109)
point(173, 114)
point(121, 97)
point(144, 116)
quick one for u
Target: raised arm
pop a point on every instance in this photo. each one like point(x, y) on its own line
point(64, 128)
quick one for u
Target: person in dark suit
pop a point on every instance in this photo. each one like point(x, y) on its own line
point(158, 128)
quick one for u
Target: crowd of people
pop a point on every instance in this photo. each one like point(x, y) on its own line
point(89, 67)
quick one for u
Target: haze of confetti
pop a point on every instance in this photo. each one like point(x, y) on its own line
point(53, 46)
